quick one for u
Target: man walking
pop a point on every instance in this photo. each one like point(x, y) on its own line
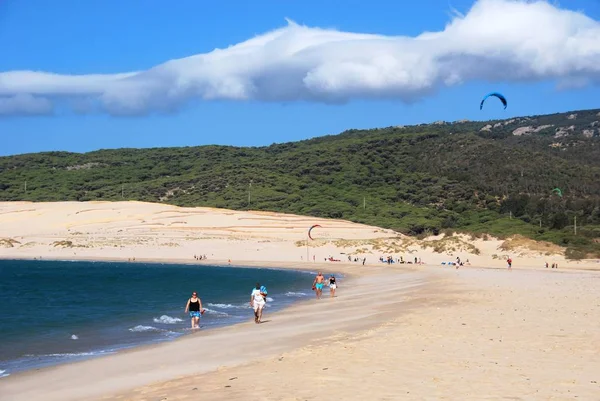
point(318, 285)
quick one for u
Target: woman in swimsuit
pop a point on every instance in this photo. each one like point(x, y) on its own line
point(332, 285)
point(194, 306)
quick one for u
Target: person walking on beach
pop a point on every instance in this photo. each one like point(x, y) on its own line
point(509, 262)
point(257, 302)
point(194, 307)
point(332, 285)
point(318, 284)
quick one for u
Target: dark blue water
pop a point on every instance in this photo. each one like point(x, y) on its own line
point(57, 311)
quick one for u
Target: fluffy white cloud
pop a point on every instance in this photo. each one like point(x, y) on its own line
point(24, 104)
point(497, 40)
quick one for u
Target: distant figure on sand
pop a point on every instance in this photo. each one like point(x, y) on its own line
point(332, 285)
point(509, 262)
point(194, 306)
point(257, 302)
point(318, 285)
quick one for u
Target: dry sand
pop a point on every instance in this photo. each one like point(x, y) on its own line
point(473, 335)
point(394, 332)
point(151, 231)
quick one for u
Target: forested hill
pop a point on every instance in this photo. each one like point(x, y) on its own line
point(494, 176)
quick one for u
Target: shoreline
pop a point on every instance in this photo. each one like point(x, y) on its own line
point(410, 312)
point(171, 261)
point(473, 334)
point(274, 265)
point(117, 349)
point(297, 266)
point(283, 330)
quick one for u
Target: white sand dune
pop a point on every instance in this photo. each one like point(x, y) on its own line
point(124, 230)
point(127, 230)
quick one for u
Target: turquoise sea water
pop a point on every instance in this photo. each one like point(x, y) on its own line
point(58, 311)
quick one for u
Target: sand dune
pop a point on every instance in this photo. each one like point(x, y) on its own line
point(125, 230)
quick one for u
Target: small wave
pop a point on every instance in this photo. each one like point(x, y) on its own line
point(216, 313)
point(139, 329)
point(295, 294)
point(68, 354)
point(269, 299)
point(74, 337)
point(164, 319)
point(3, 373)
point(227, 306)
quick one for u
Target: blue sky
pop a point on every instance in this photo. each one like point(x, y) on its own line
point(114, 36)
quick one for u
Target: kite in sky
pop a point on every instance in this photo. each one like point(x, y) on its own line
point(310, 229)
point(496, 94)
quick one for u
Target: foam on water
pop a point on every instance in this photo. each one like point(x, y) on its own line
point(228, 306)
point(68, 354)
point(216, 313)
point(295, 294)
point(28, 361)
point(140, 328)
point(164, 319)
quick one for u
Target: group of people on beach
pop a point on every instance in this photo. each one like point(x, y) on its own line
point(258, 299)
point(390, 259)
point(356, 259)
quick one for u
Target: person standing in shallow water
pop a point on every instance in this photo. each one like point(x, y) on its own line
point(318, 285)
point(332, 285)
point(194, 306)
point(257, 302)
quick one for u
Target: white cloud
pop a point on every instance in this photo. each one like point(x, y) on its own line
point(24, 104)
point(497, 40)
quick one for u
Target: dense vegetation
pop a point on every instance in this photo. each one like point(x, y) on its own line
point(495, 177)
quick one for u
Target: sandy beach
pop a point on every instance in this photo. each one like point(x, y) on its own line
point(160, 232)
point(400, 331)
point(469, 335)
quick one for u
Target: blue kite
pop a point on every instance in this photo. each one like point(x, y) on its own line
point(496, 94)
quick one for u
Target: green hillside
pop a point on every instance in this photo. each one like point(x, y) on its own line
point(482, 177)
